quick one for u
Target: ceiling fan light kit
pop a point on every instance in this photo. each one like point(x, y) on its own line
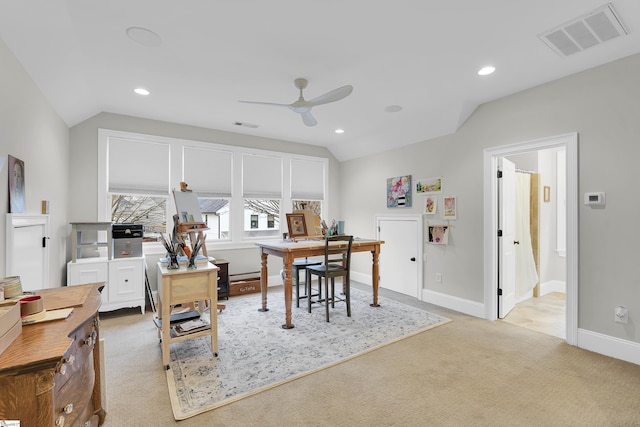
point(303, 107)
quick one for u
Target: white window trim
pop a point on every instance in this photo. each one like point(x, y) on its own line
point(238, 239)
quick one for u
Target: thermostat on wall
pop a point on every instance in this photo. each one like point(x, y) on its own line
point(594, 199)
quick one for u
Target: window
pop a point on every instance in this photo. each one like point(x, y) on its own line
point(262, 192)
point(243, 193)
point(215, 213)
point(150, 211)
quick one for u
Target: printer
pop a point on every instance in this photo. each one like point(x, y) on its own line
point(127, 240)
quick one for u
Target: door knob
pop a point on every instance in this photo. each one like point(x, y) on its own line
point(516, 242)
point(413, 258)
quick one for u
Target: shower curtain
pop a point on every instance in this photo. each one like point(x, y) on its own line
point(526, 274)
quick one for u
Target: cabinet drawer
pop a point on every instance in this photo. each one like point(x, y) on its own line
point(79, 353)
point(73, 400)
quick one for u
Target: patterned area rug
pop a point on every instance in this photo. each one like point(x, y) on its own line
point(255, 353)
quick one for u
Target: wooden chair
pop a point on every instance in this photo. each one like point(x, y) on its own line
point(337, 263)
point(302, 264)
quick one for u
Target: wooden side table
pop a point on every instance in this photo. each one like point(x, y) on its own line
point(185, 286)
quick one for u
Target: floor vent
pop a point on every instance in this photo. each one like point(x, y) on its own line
point(590, 30)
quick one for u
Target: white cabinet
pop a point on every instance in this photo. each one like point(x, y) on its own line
point(123, 277)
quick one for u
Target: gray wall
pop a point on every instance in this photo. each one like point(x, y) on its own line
point(603, 106)
point(33, 132)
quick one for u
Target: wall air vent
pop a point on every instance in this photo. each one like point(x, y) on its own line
point(590, 30)
point(245, 124)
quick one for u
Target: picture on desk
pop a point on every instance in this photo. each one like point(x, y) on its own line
point(297, 225)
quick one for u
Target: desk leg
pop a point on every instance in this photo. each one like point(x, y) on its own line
point(288, 289)
point(375, 275)
point(166, 321)
point(264, 279)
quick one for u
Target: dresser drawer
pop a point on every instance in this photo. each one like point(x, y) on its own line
point(79, 352)
point(74, 399)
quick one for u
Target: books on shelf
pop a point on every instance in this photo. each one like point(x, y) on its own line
point(190, 327)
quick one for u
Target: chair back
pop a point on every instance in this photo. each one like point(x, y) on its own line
point(337, 250)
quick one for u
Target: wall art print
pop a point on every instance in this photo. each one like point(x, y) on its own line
point(430, 205)
point(399, 192)
point(450, 208)
point(16, 185)
point(429, 185)
point(439, 234)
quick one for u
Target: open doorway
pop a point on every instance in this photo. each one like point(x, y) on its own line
point(540, 234)
point(491, 159)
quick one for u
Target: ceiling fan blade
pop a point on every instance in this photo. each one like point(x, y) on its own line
point(266, 103)
point(333, 96)
point(308, 119)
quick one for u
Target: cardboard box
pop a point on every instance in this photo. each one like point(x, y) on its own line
point(245, 286)
point(10, 325)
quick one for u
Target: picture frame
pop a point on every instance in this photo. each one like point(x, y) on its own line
point(429, 185)
point(430, 205)
point(449, 207)
point(16, 185)
point(297, 225)
point(399, 192)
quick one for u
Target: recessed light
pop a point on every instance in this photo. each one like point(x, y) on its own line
point(339, 131)
point(141, 91)
point(485, 71)
point(144, 36)
point(393, 108)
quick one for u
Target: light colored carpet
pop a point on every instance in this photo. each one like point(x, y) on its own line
point(256, 354)
point(468, 372)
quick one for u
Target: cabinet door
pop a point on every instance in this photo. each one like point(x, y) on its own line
point(126, 280)
point(80, 273)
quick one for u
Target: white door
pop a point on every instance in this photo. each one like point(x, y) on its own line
point(399, 256)
point(506, 246)
point(27, 250)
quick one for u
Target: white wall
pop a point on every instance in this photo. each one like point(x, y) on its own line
point(603, 106)
point(33, 132)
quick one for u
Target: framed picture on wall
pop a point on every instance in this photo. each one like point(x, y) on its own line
point(450, 208)
point(16, 185)
point(297, 225)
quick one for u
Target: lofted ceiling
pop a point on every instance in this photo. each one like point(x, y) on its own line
point(420, 55)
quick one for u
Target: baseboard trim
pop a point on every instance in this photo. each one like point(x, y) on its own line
point(553, 286)
point(461, 305)
point(607, 345)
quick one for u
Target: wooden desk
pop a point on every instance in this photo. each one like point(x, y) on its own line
point(50, 375)
point(184, 286)
point(289, 250)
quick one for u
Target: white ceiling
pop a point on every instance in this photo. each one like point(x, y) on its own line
point(420, 54)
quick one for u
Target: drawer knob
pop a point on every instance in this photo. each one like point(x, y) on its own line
point(63, 369)
point(91, 339)
point(60, 421)
point(70, 359)
point(68, 408)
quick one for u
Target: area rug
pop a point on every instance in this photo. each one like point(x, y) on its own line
point(255, 353)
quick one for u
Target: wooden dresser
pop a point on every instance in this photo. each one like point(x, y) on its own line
point(50, 375)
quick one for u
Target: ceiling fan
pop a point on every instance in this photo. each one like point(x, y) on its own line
point(303, 107)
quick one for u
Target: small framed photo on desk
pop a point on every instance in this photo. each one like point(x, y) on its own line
point(297, 225)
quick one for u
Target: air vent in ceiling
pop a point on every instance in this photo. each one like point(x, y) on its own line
point(587, 31)
point(245, 124)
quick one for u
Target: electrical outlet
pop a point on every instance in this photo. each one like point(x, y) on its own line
point(438, 277)
point(621, 315)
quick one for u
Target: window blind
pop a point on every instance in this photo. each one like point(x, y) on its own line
point(138, 167)
point(261, 177)
point(208, 172)
point(307, 180)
